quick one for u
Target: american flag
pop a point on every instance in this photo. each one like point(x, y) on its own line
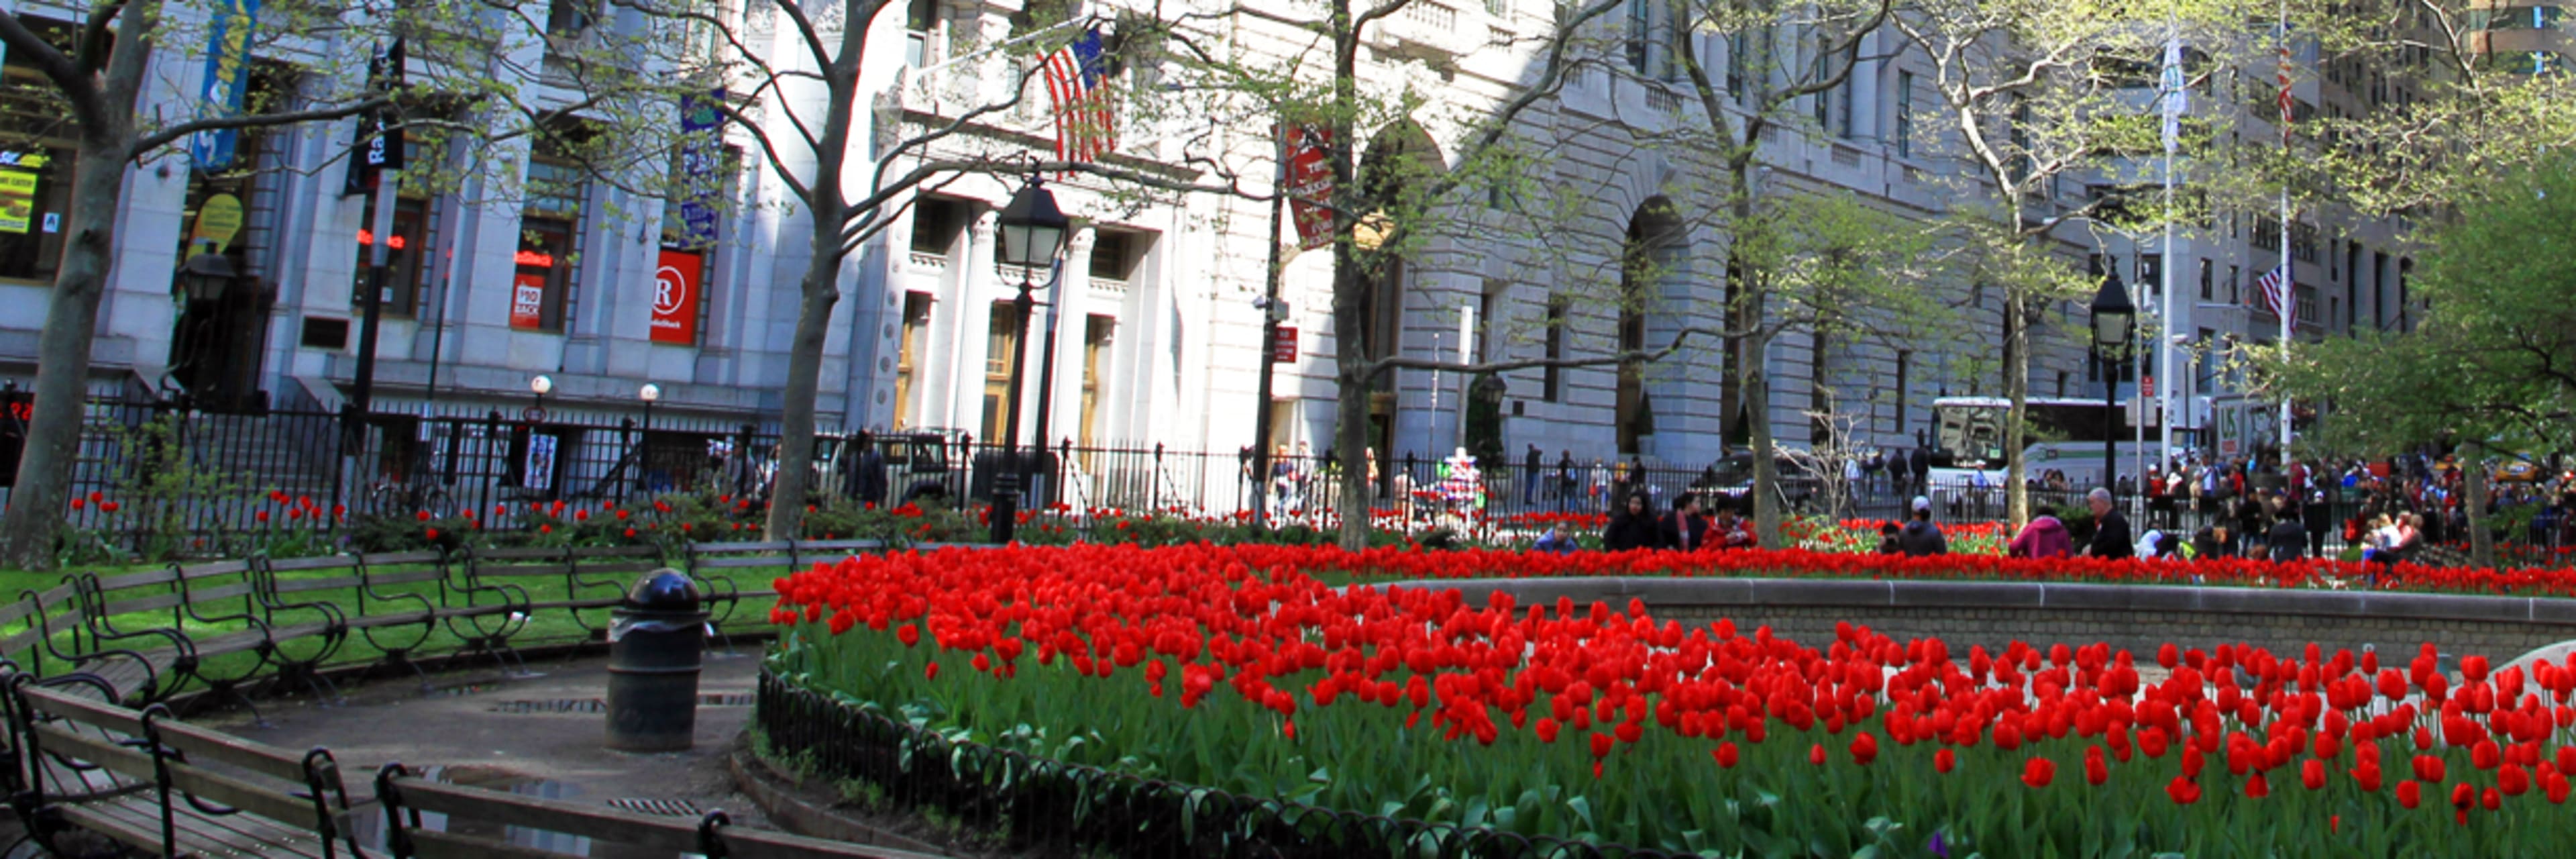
point(2273, 289)
point(2289, 105)
point(1077, 77)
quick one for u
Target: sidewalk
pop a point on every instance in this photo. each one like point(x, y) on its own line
point(538, 735)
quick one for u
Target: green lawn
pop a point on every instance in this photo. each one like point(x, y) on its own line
point(544, 626)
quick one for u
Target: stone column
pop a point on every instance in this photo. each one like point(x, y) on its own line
point(1064, 412)
point(968, 313)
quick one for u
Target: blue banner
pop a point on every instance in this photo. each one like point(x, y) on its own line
point(701, 151)
point(227, 80)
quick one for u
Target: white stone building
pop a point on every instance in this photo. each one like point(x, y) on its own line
point(1158, 338)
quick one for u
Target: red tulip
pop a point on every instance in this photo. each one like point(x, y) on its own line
point(1944, 760)
point(2313, 774)
point(2183, 791)
point(1727, 756)
point(2038, 772)
point(1864, 748)
point(2410, 793)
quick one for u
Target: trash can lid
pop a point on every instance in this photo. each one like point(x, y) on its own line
point(665, 589)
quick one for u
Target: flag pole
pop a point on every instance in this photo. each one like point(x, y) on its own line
point(2288, 304)
point(2170, 318)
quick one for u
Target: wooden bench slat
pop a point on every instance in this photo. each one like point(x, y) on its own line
point(139, 605)
point(379, 621)
point(317, 562)
point(232, 642)
point(206, 744)
point(433, 844)
point(594, 822)
point(200, 596)
point(56, 702)
point(239, 793)
point(146, 578)
point(404, 578)
point(193, 572)
point(521, 571)
point(415, 556)
point(295, 586)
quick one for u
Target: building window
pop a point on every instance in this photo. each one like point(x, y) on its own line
point(1641, 34)
point(2061, 383)
point(936, 221)
point(1113, 255)
point(1000, 335)
point(406, 280)
point(907, 362)
point(1904, 387)
point(1904, 114)
point(2151, 273)
point(1738, 62)
point(1552, 378)
point(570, 17)
point(2205, 267)
point(37, 141)
point(920, 18)
point(2233, 274)
point(549, 257)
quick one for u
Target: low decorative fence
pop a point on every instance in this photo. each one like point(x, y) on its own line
point(1035, 802)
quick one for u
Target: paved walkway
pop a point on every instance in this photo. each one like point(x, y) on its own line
point(539, 735)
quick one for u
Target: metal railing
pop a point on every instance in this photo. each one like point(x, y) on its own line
point(1026, 801)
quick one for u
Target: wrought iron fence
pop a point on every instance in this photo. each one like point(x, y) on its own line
point(1032, 802)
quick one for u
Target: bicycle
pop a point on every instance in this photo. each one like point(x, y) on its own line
point(410, 496)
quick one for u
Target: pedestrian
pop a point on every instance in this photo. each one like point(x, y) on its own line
point(1632, 528)
point(2289, 538)
point(1684, 530)
point(1532, 464)
point(2044, 537)
point(1554, 541)
point(2110, 529)
point(1920, 537)
point(867, 482)
point(1565, 483)
point(2319, 519)
point(1888, 539)
point(1732, 530)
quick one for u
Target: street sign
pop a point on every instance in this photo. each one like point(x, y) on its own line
point(1284, 349)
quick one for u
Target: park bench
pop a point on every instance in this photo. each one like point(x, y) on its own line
point(715, 564)
point(39, 616)
point(375, 604)
point(199, 622)
point(407, 797)
point(593, 579)
point(162, 786)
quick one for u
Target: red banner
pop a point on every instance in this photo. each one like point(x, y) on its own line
point(1284, 349)
point(1310, 184)
point(528, 300)
point(675, 297)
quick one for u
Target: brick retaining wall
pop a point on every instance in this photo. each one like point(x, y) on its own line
point(2136, 617)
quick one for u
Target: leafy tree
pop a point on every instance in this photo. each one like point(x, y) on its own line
point(2492, 366)
point(97, 73)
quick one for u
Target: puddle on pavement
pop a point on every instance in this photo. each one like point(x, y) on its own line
point(370, 826)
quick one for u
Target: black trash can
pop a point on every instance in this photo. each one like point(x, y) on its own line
point(654, 647)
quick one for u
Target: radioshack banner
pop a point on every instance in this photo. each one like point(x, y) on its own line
point(1310, 183)
point(528, 300)
point(675, 297)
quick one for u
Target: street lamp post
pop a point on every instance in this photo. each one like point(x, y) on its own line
point(541, 386)
point(650, 394)
point(1033, 233)
point(2113, 317)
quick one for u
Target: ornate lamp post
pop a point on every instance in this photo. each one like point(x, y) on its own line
point(1033, 233)
point(2114, 318)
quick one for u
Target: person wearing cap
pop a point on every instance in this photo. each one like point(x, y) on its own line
point(1920, 536)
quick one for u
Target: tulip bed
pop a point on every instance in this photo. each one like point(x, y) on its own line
point(1235, 668)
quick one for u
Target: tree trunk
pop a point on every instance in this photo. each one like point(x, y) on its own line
point(2017, 389)
point(2473, 473)
point(1349, 353)
point(796, 413)
point(821, 288)
point(35, 514)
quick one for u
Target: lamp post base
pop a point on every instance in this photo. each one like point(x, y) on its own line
point(1005, 513)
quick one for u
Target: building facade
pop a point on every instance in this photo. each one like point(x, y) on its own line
point(1158, 339)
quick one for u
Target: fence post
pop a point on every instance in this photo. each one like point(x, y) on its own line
point(1157, 477)
point(496, 447)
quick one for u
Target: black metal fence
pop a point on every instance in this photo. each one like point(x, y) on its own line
point(1028, 802)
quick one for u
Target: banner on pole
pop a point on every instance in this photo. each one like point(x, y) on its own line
point(675, 297)
point(1310, 183)
point(701, 150)
point(380, 141)
point(227, 80)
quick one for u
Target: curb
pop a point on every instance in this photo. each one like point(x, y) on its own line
point(776, 794)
